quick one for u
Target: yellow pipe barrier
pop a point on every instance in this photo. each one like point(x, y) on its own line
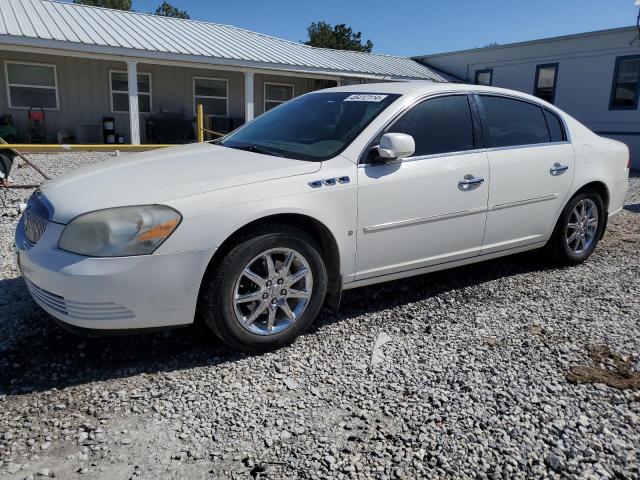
point(53, 148)
point(219, 134)
point(200, 123)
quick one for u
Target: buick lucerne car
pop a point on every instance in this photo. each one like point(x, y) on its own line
point(253, 233)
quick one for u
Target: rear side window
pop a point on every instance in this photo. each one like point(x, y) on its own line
point(507, 122)
point(440, 125)
point(555, 127)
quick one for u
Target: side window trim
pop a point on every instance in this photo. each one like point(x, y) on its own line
point(476, 120)
point(562, 127)
point(563, 124)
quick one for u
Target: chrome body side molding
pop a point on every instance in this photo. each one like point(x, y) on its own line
point(418, 221)
point(524, 202)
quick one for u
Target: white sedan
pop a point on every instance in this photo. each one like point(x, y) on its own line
point(333, 190)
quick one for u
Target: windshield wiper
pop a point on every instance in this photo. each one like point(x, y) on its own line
point(256, 149)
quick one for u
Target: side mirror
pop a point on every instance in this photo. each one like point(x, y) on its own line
point(395, 146)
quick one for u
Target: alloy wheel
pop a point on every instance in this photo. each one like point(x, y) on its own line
point(582, 226)
point(272, 291)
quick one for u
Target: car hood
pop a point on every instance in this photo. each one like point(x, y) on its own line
point(161, 175)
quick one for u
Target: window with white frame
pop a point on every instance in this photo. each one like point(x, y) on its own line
point(119, 83)
point(276, 93)
point(213, 94)
point(32, 85)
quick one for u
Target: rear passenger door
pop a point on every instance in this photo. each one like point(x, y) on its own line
point(531, 164)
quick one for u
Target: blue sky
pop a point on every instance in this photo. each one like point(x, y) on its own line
point(412, 27)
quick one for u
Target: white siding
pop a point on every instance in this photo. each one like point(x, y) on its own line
point(585, 75)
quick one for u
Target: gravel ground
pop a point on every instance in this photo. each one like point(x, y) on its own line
point(471, 382)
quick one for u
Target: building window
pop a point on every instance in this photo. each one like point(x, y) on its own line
point(319, 84)
point(32, 85)
point(119, 83)
point(484, 77)
point(276, 93)
point(626, 83)
point(546, 81)
point(213, 94)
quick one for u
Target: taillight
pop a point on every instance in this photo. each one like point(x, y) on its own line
point(629, 163)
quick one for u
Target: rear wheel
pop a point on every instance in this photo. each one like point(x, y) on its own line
point(579, 229)
point(266, 291)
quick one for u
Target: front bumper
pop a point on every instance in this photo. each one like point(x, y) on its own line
point(124, 293)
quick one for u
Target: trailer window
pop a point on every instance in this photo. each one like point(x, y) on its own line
point(626, 83)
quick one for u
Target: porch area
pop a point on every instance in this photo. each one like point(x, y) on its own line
point(89, 99)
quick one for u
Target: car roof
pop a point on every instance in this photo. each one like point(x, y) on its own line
point(424, 87)
point(419, 88)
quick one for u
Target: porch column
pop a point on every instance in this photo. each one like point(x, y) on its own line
point(248, 97)
point(134, 113)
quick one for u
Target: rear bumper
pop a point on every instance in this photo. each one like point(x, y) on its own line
point(129, 293)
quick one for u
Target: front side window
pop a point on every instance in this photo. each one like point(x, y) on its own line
point(507, 122)
point(484, 77)
point(119, 82)
point(32, 85)
point(313, 127)
point(275, 94)
point(212, 93)
point(439, 125)
point(626, 83)
point(546, 80)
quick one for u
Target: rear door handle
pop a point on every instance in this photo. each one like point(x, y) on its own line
point(558, 169)
point(470, 181)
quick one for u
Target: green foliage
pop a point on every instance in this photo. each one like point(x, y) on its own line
point(168, 10)
point(116, 4)
point(340, 37)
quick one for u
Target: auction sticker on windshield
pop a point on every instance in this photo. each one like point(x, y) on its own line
point(365, 97)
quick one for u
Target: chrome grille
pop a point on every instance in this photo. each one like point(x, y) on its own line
point(36, 218)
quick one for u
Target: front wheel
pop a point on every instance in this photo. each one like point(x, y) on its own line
point(579, 229)
point(266, 290)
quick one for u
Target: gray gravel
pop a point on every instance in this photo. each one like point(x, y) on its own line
point(471, 384)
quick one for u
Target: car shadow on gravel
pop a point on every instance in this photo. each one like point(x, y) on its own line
point(633, 207)
point(36, 355)
point(414, 289)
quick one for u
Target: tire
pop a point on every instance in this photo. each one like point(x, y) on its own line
point(278, 324)
point(578, 250)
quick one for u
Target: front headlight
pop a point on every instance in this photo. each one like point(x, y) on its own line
point(120, 231)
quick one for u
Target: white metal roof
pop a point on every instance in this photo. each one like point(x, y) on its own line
point(560, 38)
point(80, 28)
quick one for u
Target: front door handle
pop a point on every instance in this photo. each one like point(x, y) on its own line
point(558, 169)
point(469, 181)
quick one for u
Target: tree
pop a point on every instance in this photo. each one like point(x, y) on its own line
point(340, 37)
point(168, 10)
point(116, 4)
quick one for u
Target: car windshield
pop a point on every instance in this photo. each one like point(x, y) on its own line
point(313, 127)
